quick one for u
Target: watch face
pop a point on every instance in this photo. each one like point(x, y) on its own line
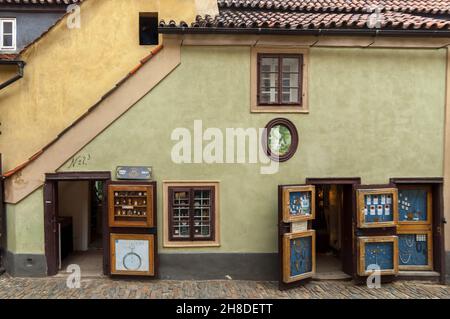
point(132, 261)
point(132, 255)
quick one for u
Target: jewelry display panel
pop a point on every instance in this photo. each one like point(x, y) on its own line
point(377, 207)
point(378, 252)
point(299, 255)
point(131, 206)
point(298, 203)
point(132, 254)
point(414, 206)
point(415, 250)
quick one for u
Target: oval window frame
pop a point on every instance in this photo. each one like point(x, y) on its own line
point(294, 139)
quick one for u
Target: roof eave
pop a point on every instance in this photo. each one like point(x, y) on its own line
point(334, 32)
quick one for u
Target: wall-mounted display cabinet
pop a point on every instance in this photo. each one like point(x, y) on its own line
point(377, 208)
point(378, 252)
point(298, 203)
point(299, 254)
point(132, 254)
point(131, 205)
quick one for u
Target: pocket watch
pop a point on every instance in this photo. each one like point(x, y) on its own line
point(132, 261)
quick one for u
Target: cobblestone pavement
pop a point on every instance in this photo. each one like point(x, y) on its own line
point(56, 288)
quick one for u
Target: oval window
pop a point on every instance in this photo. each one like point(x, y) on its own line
point(281, 139)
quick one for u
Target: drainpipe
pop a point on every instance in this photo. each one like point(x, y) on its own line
point(19, 75)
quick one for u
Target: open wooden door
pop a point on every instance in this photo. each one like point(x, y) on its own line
point(375, 228)
point(51, 227)
point(296, 239)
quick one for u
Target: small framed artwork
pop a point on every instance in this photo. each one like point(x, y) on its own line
point(377, 252)
point(414, 205)
point(132, 254)
point(377, 207)
point(298, 203)
point(299, 256)
point(415, 250)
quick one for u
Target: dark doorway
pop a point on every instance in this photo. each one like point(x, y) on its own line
point(75, 220)
point(333, 226)
point(148, 29)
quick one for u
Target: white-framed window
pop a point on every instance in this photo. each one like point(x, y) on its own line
point(7, 34)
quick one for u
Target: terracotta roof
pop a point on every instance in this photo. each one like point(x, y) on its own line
point(147, 58)
point(290, 15)
point(416, 6)
point(8, 57)
point(39, 2)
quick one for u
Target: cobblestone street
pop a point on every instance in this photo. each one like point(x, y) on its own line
point(54, 288)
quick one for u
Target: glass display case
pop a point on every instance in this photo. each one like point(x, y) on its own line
point(131, 205)
point(377, 207)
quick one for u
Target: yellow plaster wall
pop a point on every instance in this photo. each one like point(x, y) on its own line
point(68, 70)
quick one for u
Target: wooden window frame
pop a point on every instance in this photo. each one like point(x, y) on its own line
point(260, 52)
point(168, 240)
point(191, 190)
point(13, 47)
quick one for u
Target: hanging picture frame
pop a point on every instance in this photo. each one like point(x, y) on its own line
point(299, 253)
point(132, 254)
point(299, 203)
point(378, 250)
point(415, 249)
point(377, 208)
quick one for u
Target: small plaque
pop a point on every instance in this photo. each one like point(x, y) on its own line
point(297, 227)
point(134, 172)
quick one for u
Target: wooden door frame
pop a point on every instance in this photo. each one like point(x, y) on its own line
point(348, 248)
point(51, 209)
point(438, 218)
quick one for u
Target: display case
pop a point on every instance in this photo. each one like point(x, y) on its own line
point(299, 251)
point(298, 203)
point(377, 208)
point(415, 249)
point(132, 254)
point(131, 205)
point(378, 252)
point(414, 205)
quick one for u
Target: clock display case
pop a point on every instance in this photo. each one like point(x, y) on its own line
point(132, 254)
point(131, 205)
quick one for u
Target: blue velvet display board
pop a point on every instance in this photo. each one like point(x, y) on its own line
point(378, 208)
point(412, 205)
point(301, 255)
point(300, 203)
point(413, 249)
point(381, 254)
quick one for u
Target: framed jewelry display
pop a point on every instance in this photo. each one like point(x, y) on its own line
point(132, 254)
point(131, 205)
point(414, 205)
point(298, 203)
point(377, 207)
point(415, 249)
point(299, 253)
point(378, 250)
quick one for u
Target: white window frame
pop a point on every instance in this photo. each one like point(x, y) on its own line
point(14, 34)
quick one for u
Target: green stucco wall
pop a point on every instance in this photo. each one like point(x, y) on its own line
point(374, 113)
point(25, 225)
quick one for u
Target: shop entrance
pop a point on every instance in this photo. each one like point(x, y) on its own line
point(75, 222)
point(333, 226)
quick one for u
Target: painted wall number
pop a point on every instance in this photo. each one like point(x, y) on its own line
point(80, 160)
